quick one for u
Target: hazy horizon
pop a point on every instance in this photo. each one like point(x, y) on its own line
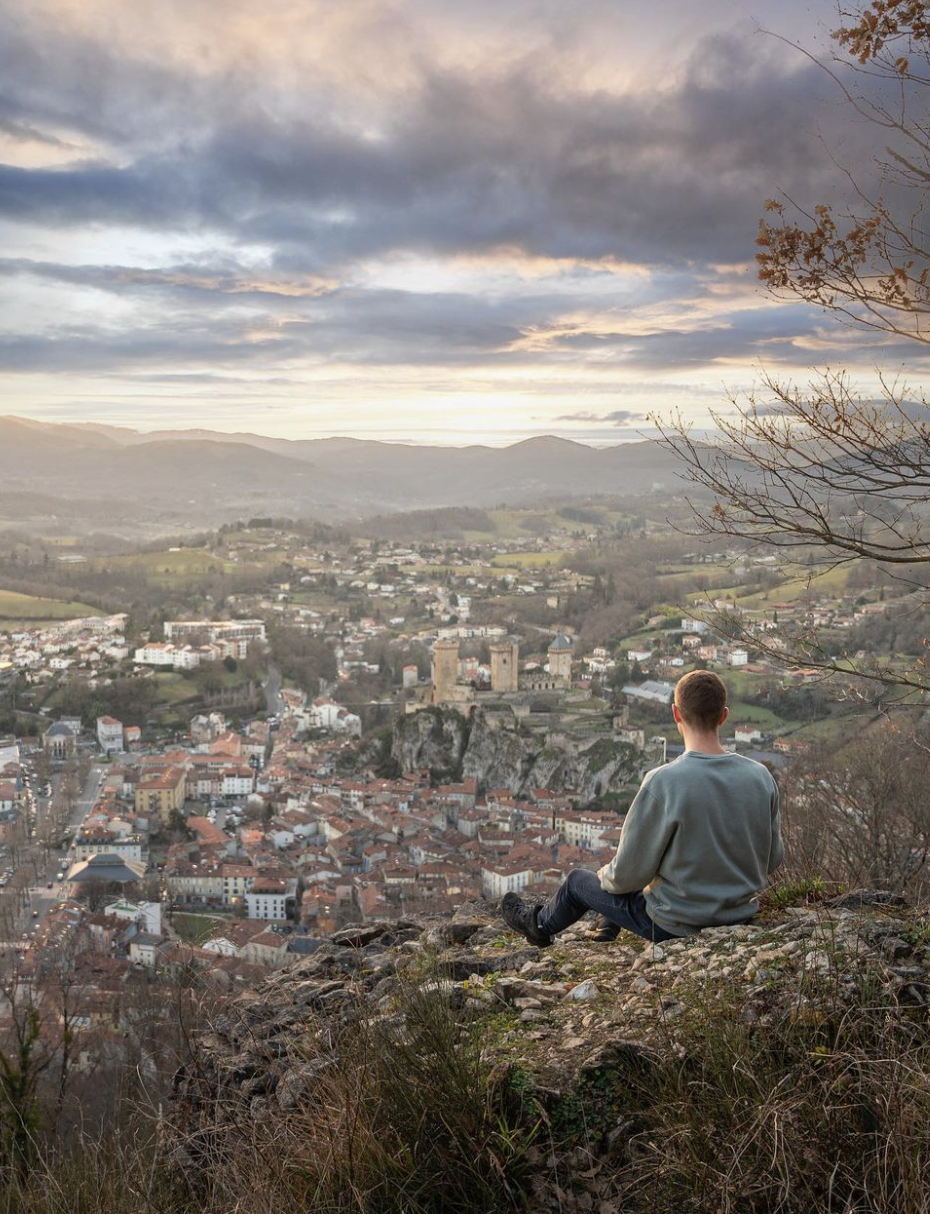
point(233, 430)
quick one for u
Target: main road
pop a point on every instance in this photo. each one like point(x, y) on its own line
point(41, 896)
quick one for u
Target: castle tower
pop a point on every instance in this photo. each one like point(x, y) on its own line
point(445, 669)
point(505, 659)
point(560, 658)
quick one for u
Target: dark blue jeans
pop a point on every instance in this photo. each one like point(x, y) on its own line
point(581, 891)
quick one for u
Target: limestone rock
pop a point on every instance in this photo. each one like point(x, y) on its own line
point(591, 1007)
point(583, 991)
point(444, 741)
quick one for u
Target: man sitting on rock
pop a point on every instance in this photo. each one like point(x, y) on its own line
point(700, 838)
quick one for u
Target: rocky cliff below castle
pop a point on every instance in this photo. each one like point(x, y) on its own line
point(455, 747)
point(781, 1065)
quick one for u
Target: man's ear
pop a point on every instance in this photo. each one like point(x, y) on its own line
point(675, 713)
point(726, 713)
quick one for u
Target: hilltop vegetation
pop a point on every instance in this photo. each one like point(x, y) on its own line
point(418, 1067)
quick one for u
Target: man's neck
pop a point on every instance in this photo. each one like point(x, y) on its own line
point(703, 743)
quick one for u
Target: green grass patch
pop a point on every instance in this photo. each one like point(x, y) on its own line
point(175, 689)
point(830, 583)
point(29, 609)
point(167, 568)
point(838, 727)
point(194, 929)
point(529, 560)
point(464, 570)
point(742, 713)
point(803, 892)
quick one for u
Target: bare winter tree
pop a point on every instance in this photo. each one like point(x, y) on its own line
point(860, 815)
point(819, 473)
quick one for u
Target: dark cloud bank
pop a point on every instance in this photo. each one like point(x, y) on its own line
point(466, 162)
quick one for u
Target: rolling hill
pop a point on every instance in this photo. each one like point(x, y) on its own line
point(212, 477)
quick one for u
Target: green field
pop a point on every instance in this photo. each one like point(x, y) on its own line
point(168, 568)
point(513, 523)
point(682, 580)
point(464, 570)
point(175, 689)
point(528, 560)
point(27, 609)
point(194, 929)
point(832, 582)
point(742, 713)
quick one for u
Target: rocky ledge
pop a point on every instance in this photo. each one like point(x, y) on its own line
point(558, 1013)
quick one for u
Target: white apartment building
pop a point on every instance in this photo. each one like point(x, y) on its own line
point(109, 734)
point(689, 625)
point(269, 898)
point(238, 634)
point(155, 653)
point(128, 848)
point(581, 829)
point(327, 714)
point(238, 783)
point(505, 879)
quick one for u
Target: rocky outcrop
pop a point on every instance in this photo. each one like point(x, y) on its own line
point(563, 1012)
point(433, 738)
point(455, 748)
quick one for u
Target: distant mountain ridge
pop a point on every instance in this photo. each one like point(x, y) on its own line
point(222, 476)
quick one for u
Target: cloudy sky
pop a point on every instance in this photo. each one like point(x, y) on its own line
point(428, 220)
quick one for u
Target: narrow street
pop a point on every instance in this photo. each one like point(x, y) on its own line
point(272, 690)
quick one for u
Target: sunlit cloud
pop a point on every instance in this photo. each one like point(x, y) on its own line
point(402, 218)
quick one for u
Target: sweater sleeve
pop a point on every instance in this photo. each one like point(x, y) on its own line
point(777, 849)
point(647, 831)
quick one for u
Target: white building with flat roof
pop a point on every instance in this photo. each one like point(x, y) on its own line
point(146, 914)
point(651, 690)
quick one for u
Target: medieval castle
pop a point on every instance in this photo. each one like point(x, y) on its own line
point(448, 689)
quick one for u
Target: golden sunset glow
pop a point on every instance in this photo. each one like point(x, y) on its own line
point(401, 219)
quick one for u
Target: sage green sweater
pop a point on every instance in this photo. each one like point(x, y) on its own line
point(700, 839)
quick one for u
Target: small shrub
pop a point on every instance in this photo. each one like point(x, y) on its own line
point(802, 892)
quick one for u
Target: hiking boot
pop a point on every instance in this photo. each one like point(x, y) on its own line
point(522, 918)
point(603, 931)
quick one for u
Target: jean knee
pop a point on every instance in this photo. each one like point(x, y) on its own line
point(572, 881)
point(578, 882)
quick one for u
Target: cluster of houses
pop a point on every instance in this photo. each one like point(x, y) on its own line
point(275, 834)
point(92, 645)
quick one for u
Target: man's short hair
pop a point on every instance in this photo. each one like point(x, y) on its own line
point(701, 698)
